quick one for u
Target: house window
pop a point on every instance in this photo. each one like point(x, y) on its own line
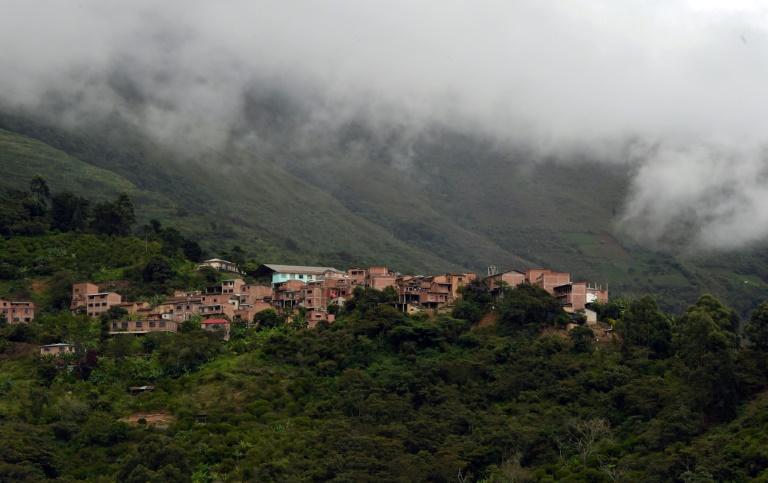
point(114, 325)
point(124, 325)
point(162, 323)
point(151, 323)
point(139, 324)
point(47, 349)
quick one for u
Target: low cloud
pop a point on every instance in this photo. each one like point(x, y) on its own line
point(672, 88)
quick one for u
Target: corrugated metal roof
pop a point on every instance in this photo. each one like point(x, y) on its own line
point(298, 268)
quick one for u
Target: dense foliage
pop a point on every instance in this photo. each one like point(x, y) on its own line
point(383, 396)
point(497, 390)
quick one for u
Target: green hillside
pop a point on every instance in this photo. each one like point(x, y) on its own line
point(383, 396)
point(496, 390)
point(271, 214)
point(455, 202)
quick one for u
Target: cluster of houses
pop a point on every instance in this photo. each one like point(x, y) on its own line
point(312, 290)
point(300, 289)
point(573, 295)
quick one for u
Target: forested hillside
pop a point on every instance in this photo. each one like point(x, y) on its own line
point(496, 391)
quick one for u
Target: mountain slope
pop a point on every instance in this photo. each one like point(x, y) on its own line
point(451, 202)
point(272, 214)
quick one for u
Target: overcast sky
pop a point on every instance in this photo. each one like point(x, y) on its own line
point(684, 80)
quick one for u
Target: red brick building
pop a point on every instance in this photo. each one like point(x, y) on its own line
point(17, 312)
point(222, 325)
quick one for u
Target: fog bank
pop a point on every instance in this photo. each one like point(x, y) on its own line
point(673, 88)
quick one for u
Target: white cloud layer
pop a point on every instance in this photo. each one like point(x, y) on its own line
point(684, 81)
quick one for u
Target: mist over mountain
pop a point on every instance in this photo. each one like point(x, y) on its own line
point(669, 88)
point(625, 143)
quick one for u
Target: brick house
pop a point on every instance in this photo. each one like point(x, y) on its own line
point(356, 276)
point(287, 294)
point(597, 293)
point(79, 293)
point(511, 278)
point(247, 311)
point(546, 279)
point(98, 303)
point(214, 298)
point(315, 316)
point(57, 349)
point(217, 325)
point(143, 326)
point(250, 294)
point(219, 264)
point(88, 296)
point(578, 294)
point(17, 312)
point(313, 297)
point(572, 295)
point(430, 293)
point(183, 305)
point(132, 307)
point(232, 286)
point(379, 278)
point(285, 273)
point(211, 310)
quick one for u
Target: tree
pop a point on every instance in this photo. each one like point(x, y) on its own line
point(114, 218)
point(39, 187)
point(173, 242)
point(585, 435)
point(583, 338)
point(156, 459)
point(69, 212)
point(528, 304)
point(757, 328)
point(706, 345)
point(705, 328)
point(468, 311)
point(266, 319)
point(124, 207)
point(727, 320)
point(25, 454)
point(157, 270)
point(366, 299)
point(643, 324)
point(193, 251)
point(477, 293)
point(186, 351)
point(237, 255)
point(116, 313)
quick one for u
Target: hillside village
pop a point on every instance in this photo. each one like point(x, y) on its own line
point(315, 292)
